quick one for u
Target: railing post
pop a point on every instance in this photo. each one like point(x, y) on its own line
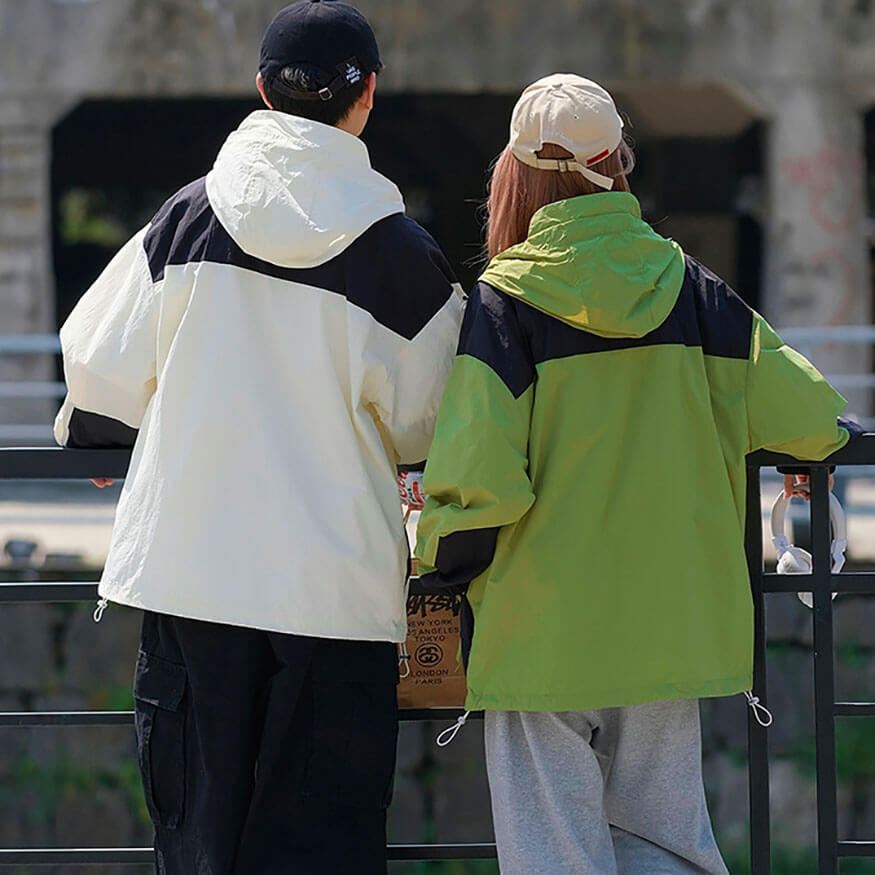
point(757, 736)
point(824, 682)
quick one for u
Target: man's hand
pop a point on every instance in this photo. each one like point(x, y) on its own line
point(100, 482)
point(798, 486)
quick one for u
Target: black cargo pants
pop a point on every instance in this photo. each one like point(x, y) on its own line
point(264, 753)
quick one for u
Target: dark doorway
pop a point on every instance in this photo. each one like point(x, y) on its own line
point(116, 161)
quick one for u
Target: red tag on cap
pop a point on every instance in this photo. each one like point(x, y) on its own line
point(598, 157)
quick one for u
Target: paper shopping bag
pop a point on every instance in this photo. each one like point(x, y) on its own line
point(434, 676)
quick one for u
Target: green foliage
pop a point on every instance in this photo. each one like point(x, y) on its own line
point(85, 217)
point(853, 654)
point(48, 783)
point(792, 861)
point(855, 751)
point(804, 754)
point(115, 698)
point(737, 756)
point(129, 780)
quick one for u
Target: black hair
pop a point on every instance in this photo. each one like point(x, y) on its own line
point(307, 78)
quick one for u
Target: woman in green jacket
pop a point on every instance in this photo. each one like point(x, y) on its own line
point(586, 488)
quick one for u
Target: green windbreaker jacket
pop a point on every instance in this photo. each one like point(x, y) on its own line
point(587, 473)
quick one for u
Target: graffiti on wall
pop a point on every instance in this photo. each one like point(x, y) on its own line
point(831, 179)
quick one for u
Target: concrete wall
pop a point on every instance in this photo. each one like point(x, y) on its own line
point(190, 47)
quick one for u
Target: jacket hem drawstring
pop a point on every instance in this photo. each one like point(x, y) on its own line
point(98, 611)
point(446, 737)
point(760, 712)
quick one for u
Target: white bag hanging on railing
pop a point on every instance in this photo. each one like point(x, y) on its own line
point(795, 560)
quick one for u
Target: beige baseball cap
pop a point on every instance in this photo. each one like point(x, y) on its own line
point(572, 112)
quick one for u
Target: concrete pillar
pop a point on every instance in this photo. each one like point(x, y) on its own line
point(26, 283)
point(817, 270)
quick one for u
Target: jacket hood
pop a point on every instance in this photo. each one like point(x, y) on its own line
point(593, 262)
point(296, 192)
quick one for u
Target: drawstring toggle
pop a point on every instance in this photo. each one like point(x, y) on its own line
point(98, 611)
point(451, 731)
point(760, 712)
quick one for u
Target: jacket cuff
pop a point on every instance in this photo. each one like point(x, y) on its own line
point(94, 430)
point(854, 428)
point(461, 556)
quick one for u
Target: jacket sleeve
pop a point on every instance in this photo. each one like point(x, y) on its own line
point(108, 344)
point(477, 476)
point(412, 353)
point(790, 406)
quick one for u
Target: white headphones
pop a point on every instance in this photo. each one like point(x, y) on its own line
point(795, 560)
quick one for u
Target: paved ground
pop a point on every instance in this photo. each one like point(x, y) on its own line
point(62, 518)
point(76, 518)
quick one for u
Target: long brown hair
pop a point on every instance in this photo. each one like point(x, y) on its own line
point(517, 191)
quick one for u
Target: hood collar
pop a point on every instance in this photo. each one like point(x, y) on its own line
point(296, 192)
point(604, 203)
point(592, 262)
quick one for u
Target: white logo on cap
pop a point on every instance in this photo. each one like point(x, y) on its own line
point(353, 74)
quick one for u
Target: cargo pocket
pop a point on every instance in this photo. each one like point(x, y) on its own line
point(355, 728)
point(159, 687)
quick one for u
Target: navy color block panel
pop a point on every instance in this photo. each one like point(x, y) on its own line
point(491, 332)
point(180, 230)
point(512, 337)
point(394, 270)
point(724, 321)
point(461, 556)
point(855, 430)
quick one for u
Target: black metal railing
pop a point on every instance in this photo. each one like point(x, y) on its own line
point(51, 463)
point(822, 583)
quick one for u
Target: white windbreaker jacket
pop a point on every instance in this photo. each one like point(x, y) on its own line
point(273, 343)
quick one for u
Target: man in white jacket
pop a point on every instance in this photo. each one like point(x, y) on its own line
point(272, 345)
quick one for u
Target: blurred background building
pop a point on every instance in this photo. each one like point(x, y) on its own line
point(754, 130)
point(751, 120)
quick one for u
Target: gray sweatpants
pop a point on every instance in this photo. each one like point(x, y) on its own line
point(616, 791)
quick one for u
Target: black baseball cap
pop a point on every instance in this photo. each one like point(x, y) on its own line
point(332, 37)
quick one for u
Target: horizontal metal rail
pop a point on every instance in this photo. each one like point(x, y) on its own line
point(47, 592)
point(28, 344)
point(66, 718)
point(76, 856)
point(55, 463)
point(33, 719)
point(466, 851)
point(855, 849)
point(851, 583)
point(854, 709)
point(828, 334)
point(141, 856)
point(859, 582)
point(32, 389)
